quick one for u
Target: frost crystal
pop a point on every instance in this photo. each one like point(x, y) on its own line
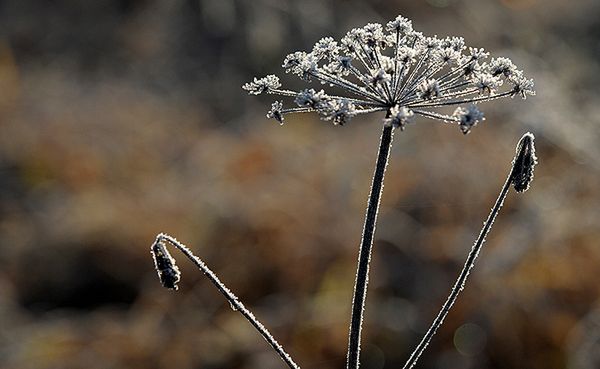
point(468, 117)
point(397, 70)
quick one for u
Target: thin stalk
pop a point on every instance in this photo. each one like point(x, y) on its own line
point(364, 256)
point(169, 276)
point(520, 175)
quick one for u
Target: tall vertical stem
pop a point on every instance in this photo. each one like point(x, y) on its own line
point(364, 256)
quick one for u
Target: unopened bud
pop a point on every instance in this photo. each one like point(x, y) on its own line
point(168, 273)
point(524, 163)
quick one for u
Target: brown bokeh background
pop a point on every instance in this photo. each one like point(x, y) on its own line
point(123, 118)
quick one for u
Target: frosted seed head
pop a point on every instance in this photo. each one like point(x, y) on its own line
point(478, 53)
point(301, 64)
point(406, 54)
point(379, 77)
point(352, 40)
point(430, 43)
point(429, 89)
point(343, 112)
point(524, 163)
point(471, 69)
point(421, 73)
point(167, 270)
point(372, 35)
point(326, 48)
point(486, 83)
point(387, 64)
point(340, 66)
point(309, 98)
point(468, 117)
point(446, 55)
point(502, 66)
point(339, 111)
point(348, 44)
point(455, 43)
point(399, 117)
point(265, 84)
point(400, 24)
point(293, 60)
point(414, 37)
point(521, 85)
point(276, 112)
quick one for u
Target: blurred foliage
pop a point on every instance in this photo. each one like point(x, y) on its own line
point(123, 118)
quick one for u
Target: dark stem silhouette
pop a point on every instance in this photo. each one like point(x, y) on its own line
point(520, 176)
point(366, 245)
point(169, 276)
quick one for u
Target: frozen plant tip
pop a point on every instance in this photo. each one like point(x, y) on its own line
point(395, 69)
point(520, 177)
point(168, 273)
point(169, 276)
point(524, 163)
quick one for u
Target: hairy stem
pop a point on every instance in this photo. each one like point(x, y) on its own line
point(169, 272)
point(364, 257)
point(520, 175)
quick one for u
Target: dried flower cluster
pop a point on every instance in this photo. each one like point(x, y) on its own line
point(395, 69)
point(419, 76)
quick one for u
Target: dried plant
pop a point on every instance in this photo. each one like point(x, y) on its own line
point(419, 76)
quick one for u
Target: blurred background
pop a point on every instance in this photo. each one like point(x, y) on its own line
point(120, 119)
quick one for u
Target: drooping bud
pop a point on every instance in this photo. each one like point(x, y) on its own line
point(524, 163)
point(168, 273)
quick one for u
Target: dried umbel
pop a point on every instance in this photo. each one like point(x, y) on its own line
point(395, 69)
point(399, 71)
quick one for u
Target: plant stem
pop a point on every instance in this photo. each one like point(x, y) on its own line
point(462, 278)
point(364, 257)
point(520, 175)
point(233, 300)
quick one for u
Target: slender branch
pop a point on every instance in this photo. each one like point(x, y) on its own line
point(457, 102)
point(364, 257)
point(520, 176)
point(169, 276)
point(395, 76)
point(433, 115)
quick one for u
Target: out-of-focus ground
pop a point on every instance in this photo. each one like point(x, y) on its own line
point(123, 118)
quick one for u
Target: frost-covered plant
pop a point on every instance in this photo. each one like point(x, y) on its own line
point(396, 70)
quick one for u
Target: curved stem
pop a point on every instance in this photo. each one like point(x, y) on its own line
point(169, 273)
point(520, 176)
point(364, 257)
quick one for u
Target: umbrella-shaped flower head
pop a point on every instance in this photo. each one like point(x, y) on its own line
point(396, 70)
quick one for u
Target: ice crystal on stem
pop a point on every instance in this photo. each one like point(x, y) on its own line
point(393, 69)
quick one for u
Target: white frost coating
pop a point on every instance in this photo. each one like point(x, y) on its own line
point(234, 302)
point(379, 68)
point(524, 146)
